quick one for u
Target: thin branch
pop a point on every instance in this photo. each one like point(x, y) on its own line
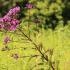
point(36, 46)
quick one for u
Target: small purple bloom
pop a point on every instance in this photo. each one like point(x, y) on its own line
point(6, 40)
point(29, 6)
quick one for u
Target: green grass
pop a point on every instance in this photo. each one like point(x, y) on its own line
point(58, 40)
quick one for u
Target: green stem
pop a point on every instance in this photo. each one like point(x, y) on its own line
point(36, 46)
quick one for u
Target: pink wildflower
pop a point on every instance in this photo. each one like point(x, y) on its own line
point(6, 18)
point(12, 28)
point(6, 40)
point(15, 22)
point(14, 11)
point(29, 6)
point(1, 19)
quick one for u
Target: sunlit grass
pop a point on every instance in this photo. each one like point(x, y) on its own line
point(58, 40)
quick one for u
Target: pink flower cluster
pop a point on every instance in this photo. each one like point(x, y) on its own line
point(8, 22)
point(13, 11)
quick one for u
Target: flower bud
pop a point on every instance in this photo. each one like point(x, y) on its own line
point(29, 6)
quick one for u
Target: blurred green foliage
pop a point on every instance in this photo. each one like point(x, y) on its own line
point(48, 12)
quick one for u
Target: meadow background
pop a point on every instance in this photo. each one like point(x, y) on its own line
point(49, 26)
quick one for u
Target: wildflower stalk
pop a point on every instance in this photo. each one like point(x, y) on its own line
point(29, 23)
point(36, 46)
point(29, 6)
